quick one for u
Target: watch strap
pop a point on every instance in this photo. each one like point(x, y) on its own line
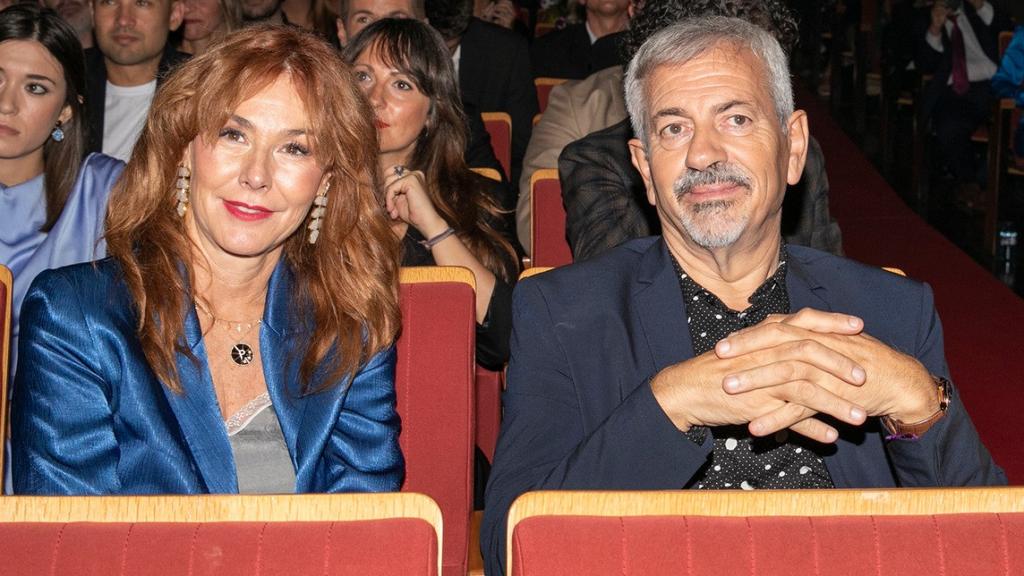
point(914, 430)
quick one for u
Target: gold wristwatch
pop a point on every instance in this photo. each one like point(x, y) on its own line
point(914, 430)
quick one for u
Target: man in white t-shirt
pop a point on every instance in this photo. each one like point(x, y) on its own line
point(132, 54)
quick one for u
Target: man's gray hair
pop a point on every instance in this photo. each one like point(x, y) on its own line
point(688, 39)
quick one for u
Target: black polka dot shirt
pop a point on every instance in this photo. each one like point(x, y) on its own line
point(739, 461)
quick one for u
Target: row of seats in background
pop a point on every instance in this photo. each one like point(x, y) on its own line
point(879, 100)
point(549, 246)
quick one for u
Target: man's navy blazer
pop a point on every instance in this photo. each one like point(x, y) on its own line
point(90, 417)
point(587, 339)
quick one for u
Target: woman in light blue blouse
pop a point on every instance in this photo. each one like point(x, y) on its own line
point(1009, 83)
point(52, 203)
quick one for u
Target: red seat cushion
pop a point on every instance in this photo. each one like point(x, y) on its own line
point(961, 544)
point(393, 546)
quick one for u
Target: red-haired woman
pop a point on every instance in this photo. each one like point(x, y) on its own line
point(239, 338)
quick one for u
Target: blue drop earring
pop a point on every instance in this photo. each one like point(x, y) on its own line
point(57, 133)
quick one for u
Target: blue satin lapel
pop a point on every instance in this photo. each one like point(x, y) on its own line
point(306, 421)
point(196, 408)
point(661, 309)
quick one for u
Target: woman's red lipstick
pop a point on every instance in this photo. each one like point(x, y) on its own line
point(247, 212)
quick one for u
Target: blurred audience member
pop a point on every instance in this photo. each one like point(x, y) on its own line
point(492, 65)
point(960, 48)
point(500, 12)
point(444, 212)
point(263, 11)
point(314, 15)
point(1009, 83)
point(245, 322)
point(354, 15)
point(132, 56)
point(207, 21)
point(78, 14)
point(583, 48)
point(51, 201)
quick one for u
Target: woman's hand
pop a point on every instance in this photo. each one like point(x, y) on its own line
point(406, 199)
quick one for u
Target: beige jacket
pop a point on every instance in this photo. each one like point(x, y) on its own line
point(575, 109)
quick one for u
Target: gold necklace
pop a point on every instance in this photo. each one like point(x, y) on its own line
point(241, 352)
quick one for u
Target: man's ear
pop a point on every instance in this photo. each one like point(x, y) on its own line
point(798, 142)
point(177, 15)
point(639, 156)
point(342, 34)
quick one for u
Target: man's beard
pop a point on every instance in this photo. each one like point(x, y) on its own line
point(260, 11)
point(714, 223)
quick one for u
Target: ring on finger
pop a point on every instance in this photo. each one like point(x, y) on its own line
point(400, 170)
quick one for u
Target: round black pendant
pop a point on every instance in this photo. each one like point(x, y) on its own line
point(241, 353)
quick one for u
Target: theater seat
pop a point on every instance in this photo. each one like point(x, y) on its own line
point(499, 128)
point(547, 220)
point(911, 532)
point(339, 534)
point(434, 383)
point(544, 86)
point(6, 287)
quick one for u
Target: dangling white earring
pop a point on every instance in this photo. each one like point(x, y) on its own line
point(317, 214)
point(183, 185)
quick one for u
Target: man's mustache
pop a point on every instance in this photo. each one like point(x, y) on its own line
point(717, 173)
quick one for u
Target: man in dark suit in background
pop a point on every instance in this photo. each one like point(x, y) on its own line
point(132, 55)
point(715, 356)
point(581, 49)
point(493, 67)
point(960, 48)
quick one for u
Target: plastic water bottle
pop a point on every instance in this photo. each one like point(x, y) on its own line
point(1007, 253)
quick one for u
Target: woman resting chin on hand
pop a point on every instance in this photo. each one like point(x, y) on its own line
point(444, 213)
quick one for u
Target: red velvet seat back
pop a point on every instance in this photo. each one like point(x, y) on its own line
point(499, 128)
point(399, 547)
point(550, 247)
point(435, 397)
point(961, 544)
point(489, 386)
point(545, 85)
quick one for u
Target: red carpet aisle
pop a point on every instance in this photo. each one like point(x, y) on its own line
point(982, 319)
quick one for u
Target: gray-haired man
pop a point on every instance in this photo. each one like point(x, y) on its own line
point(714, 356)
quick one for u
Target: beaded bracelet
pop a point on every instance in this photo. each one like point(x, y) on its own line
point(429, 244)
